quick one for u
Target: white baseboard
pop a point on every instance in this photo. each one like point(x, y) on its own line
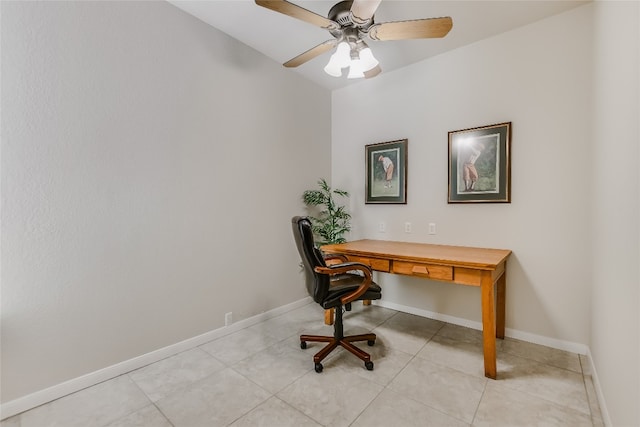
point(41, 397)
point(520, 335)
point(511, 333)
point(606, 419)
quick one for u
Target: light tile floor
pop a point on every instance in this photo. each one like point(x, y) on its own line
point(427, 373)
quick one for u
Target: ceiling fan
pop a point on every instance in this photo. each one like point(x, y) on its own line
point(350, 22)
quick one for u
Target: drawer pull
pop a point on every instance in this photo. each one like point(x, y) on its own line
point(420, 269)
point(424, 270)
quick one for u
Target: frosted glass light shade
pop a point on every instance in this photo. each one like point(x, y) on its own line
point(356, 71)
point(332, 69)
point(343, 55)
point(369, 62)
point(339, 60)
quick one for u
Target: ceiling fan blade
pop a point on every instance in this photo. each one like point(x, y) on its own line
point(415, 29)
point(362, 10)
point(310, 54)
point(295, 11)
point(372, 72)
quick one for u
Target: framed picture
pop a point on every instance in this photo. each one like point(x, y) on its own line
point(479, 164)
point(386, 180)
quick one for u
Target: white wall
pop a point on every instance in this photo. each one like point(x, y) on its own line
point(150, 168)
point(570, 86)
point(615, 336)
point(537, 77)
point(115, 201)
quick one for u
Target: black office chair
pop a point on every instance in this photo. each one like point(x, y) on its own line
point(333, 286)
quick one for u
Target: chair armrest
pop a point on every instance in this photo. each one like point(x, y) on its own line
point(332, 257)
point(344, 268)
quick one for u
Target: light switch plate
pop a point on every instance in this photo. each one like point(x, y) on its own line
point(432, 228)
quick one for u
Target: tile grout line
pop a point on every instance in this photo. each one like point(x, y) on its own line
point(271, 394)
point(417, 401)
point(551, 402)
point(413, 357)
point(128, 374)
point(385, 387)
point(368, 405)
point(475, 413)
point(163, 414)
point(298, 410)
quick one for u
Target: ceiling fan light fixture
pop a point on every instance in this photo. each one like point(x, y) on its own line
point(332, 69)
point(369, 62)
point(343, 54)
point(340, 59)
point(356, 71)
point(355, 67)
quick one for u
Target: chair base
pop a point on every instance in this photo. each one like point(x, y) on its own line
point(345, 342)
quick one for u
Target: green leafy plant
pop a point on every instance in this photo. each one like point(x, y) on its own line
point(332, 221)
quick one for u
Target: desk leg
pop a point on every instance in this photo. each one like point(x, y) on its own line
point(328, 316)
point(501, 290)
point(488, 325)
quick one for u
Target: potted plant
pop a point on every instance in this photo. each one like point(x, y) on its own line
point(332, 221)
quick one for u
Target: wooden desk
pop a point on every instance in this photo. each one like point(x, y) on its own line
point(455, 264)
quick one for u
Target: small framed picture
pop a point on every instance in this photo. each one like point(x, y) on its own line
point(386, 165)
point(479, 164)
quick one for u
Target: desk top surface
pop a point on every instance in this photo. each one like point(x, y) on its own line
point(423, 252)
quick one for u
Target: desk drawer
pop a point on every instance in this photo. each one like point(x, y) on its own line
point(430, 271)
point(374, 263)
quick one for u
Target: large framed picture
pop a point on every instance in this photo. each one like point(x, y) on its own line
point(479, 164)
point(386, 180)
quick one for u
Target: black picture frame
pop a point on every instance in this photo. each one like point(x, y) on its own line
point(386, 172)
point(480, 164)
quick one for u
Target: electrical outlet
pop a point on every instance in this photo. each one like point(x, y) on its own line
point(382, 227)
point(228, 318)
point(432, 228)
point(407, 227)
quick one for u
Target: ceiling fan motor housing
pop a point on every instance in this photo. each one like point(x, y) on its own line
point(349, 30)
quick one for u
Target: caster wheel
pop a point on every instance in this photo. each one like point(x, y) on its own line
point(370, 343)
point(318, 367)
point(303, 345)
point(368, 365)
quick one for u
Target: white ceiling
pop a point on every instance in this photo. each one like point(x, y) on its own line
point(281, 37)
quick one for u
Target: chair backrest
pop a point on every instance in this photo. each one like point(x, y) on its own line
point(317, 284)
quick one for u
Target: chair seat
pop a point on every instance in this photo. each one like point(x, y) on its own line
point(343, 284)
